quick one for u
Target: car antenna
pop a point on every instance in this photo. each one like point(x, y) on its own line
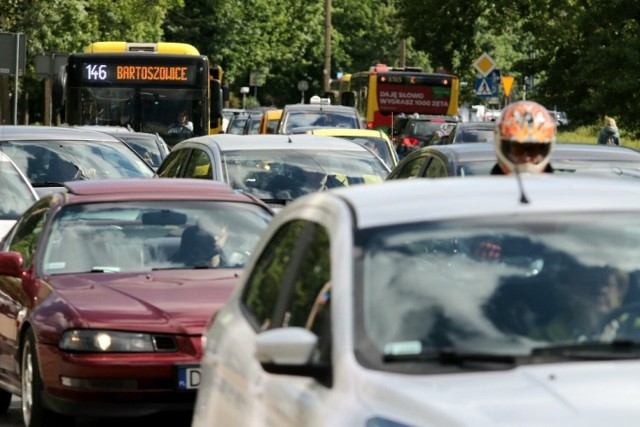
point(523, 197)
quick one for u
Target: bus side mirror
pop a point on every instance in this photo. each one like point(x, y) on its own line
point(217, 96)
point(348, 99)
point(57, 91)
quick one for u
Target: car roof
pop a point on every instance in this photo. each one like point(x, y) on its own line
point(153, 189)
point(563, 151)
point(476, 125)
point(318, 107)
point(106, 129)
point(36, 132)
point(230, 142)
point(478, 196)
point(348, 132)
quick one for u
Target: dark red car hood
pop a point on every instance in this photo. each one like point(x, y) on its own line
point(167, 301)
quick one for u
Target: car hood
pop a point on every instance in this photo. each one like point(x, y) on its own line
point(167, 301)
point(587, 394)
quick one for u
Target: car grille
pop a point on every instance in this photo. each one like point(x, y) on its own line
point(164, 343)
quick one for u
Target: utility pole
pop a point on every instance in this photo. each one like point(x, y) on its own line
point(403, 52)
point(326, 72)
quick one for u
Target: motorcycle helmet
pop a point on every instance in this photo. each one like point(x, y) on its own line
point(525, 136)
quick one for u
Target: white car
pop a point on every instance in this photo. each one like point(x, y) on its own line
point(16, 194)
point(452, 302)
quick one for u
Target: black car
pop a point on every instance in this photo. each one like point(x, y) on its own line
point(441, 161)
point(418, 131)
point(465, 132)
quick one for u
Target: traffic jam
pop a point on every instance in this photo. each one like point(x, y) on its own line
point(384, 256)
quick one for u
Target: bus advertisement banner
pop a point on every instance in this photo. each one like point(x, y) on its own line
point(421, 100)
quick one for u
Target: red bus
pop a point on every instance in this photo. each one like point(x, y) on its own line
point(384, 92)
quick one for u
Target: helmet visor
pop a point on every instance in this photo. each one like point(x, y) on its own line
point(522, 153)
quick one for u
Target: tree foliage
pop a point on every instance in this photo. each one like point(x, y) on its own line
point(581, 54)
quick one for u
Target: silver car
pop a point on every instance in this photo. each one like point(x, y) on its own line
point(451, 302)
point(50, 155)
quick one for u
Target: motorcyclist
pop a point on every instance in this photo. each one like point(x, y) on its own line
point(524, 138)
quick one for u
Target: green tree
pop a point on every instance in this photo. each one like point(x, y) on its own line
point(70, 25)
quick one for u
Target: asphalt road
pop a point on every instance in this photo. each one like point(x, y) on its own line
point(13, 418)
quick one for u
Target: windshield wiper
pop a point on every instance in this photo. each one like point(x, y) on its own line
point(592, 350)
point(451, 357)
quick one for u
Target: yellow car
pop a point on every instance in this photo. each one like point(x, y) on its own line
point(376, 140)
point(270, 120)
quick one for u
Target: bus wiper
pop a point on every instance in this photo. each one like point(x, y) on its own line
point(451, 357)
point(592, 350)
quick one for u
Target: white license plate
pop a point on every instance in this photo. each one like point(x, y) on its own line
point(188, 377)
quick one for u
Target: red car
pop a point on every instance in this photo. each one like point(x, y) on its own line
point(105, 290)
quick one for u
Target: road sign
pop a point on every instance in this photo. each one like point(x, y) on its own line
point(507, 83)
point(485, 87)
point(484, 64)
point(12, 53)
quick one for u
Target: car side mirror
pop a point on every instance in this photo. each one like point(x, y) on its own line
point(289, 351)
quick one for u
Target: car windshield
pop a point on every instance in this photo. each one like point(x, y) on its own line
point(288, 174)
point(152, 235)
point(506, 286)
point(147, 148)
point(15, 193)
point(377, 145)
point(605, 168)
point(323, 118)
point(475, 135)
point(54, 162)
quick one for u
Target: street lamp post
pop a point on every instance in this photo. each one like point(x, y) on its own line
point(244, 90)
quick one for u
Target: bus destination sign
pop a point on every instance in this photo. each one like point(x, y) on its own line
point(116, 73)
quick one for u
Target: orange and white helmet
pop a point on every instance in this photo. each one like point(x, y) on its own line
point(525, 136)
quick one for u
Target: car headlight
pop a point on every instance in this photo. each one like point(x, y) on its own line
point(98, 341)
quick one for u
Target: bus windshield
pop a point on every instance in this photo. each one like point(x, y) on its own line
point(152, 110)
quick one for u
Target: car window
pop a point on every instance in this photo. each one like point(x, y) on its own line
point(311, 282)
point(269, 273)
point(172, 166)
point(199, 165)
point(15, 192)
point(411, 169)
point(436, 169)
point(24, 238)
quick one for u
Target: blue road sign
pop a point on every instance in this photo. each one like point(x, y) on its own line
point(485, 87)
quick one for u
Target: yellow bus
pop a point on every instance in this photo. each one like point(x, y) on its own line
point(144, 86)
point(339, 88)
point(383, 92)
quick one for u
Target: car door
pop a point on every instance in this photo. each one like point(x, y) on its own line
point(17, 295)
point(287, 286)
point(304, 300)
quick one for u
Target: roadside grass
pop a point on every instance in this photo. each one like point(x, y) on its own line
point(589, 135)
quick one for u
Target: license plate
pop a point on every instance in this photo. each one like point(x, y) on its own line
point(188, 377)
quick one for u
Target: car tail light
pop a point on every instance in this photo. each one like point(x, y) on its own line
point(410, 141)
